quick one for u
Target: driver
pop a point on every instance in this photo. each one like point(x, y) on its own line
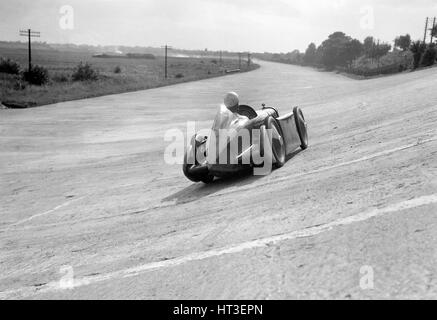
point(229, 113)
point(232, 101)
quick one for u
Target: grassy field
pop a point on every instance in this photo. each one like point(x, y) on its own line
point(136, 74)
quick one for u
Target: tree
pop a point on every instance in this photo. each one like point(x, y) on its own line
point(368, 46)
point(339, 50)
point(417, 48)
point(403, 42)
point(375, 50)
point(310, 54)
point(429, 55)
point(434, 31)
point(276, 57)
point(381, 50)
point(294, 57)
point(333, 50)
point(353, 50)
point(319, 55)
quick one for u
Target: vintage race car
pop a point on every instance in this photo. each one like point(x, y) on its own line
point(207, 156)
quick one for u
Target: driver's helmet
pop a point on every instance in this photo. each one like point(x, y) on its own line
point(232, 101)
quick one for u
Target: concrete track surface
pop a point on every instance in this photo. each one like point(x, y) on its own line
point(89, 209)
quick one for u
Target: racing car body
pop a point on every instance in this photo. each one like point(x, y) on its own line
point(250, 138)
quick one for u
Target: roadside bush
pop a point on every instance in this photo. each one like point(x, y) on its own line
point(9, 66)
point(429, 56)
point(60, 77)
point(179, 76)
point(392, 62)
point(85, 72)
point(38, 75)
point(117, 69)
point(19, 85)
point(371, 72)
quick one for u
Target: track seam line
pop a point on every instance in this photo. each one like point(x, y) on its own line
point(65, 204)
point(323, 169)
point(231, 249)
point(272, 181)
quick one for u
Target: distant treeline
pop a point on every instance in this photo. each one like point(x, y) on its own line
point(368, 58)
point(127, 56)
point(110, 50)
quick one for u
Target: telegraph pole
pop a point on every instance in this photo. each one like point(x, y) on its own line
point(30, 34)
point(248, 59)
point(377, 53)
point(166, 60)
point(432, 29)
point(166, 47)
point(426, 30)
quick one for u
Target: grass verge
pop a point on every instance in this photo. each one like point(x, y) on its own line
point(115, 75)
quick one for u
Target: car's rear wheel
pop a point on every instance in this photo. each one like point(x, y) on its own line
point(278, 144)
point(302, 128)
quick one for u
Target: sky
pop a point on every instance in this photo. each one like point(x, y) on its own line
point(233, 25)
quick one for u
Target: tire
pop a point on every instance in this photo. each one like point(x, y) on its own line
point(278, 144)
point(302, 128)
point(186, 169)
point(207, 178)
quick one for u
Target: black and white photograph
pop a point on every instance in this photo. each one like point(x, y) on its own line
point(213, 150)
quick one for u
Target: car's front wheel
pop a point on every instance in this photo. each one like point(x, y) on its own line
point(188, 166)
